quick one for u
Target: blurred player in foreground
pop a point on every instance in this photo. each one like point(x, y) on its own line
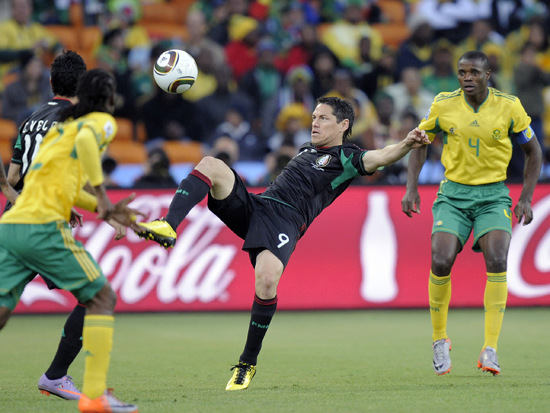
point(65, 71)
point(477, 124)
point(35, 236)
point(271, 223)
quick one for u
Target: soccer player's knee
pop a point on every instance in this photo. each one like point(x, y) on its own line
point(496, 262)
point(103, 302)
point(441, 264)
point(266, 284)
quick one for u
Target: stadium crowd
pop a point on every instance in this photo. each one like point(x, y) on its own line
point(263, 63)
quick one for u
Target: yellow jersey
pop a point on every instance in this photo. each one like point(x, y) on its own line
point(477, 144)
point(68, 158)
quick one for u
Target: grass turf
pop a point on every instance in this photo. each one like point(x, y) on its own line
point(349, 361)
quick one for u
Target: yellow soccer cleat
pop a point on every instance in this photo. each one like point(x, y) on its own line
point(159, 231)
point(241, 377)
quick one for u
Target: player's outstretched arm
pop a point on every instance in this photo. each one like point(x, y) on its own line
point(390, 154)
point(531, 173)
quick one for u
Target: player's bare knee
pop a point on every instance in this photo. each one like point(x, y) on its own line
point(211, 167)
point(496, 263)
point(441, 264)
point(104, 301)
point(266, 284)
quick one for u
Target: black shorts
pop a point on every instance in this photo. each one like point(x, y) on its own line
point(262, 223)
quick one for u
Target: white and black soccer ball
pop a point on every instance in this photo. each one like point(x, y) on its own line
point(175, 71)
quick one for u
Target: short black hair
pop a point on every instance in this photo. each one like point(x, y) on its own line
point(65, 71)
point(476, 55)
point(342, 109)
point(95, 88)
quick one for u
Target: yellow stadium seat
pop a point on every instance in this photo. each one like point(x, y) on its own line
point(393, 34)
point(183, 152)
point(159, 31)
point(126, 152)
point(125, 129)
point(67, 36)
point(393, 10)
point(161, 13)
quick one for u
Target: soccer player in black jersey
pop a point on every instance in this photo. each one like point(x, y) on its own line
point(271, 223)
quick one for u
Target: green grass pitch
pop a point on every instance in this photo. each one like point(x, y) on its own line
point(348, 361)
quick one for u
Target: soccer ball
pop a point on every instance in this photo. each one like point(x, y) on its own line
point(175, 71)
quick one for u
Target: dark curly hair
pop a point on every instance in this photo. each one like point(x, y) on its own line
point(64, 73)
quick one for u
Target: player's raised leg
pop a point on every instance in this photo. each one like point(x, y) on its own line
point(210, 175)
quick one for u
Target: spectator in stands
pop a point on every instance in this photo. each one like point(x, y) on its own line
point(197, 39)
point(112, 56)
point(501, 73)
point(206, 75)
point(409, 94)
point(451, 19)
point(30, 90)
point(240, 52)
point(212, 108)
point(301, 52)
point(530, 81)
point(416, 51)
point(365, 112)
point(323, 64)
point(343, 36)
point(20, 33)
point(374, 75)
point(222, 13)
point(156, 171)
point(480, 37)
point(386, 128)
point(235, 125)
point(285, 24)
point(508, 16)
point(226, 149)
point(293, 127)
point(262, 83)
point(169, 116)
point(296, 89)
point(440, 75)
point(535, 32)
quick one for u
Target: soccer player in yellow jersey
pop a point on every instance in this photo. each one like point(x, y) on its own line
point(477, 124)
point(35, 236)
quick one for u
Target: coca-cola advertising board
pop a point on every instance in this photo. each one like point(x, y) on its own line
point(361, 252)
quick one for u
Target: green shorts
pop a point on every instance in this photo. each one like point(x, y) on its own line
point(458, 208)
point(49, 250)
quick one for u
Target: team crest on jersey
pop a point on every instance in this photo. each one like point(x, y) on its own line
point(496, 134)
point(452, 131)
point(109, 129)
point(323, 161)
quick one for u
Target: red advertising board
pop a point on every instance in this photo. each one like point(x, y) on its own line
point(361, 252)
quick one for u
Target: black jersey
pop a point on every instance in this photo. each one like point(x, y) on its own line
point(315, 177)
point(31, 133)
